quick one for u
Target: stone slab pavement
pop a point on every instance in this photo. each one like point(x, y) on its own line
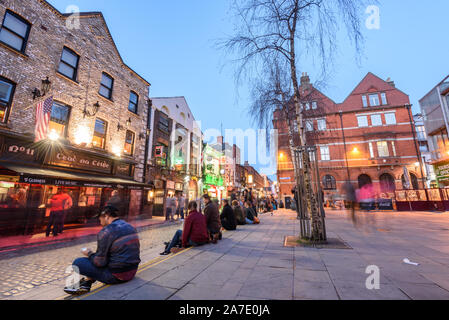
point(253, 264)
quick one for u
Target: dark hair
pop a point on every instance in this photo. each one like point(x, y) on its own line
point(235, 203)
point(225, 201)
point(192, 205)
point(206, 196)
point(110, 211)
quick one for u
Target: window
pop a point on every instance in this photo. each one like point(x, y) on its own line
point(68, 65)
point(393, 146)
point(14, 32)
point(107, 83)
point(421, 131)
point(325, 155)
point(376, 120)
point(129, 143)
point(384, 98)
point(309, 125)
point(321, 124)
point(374, 100)
point(329, 183)
point(371, 150)
point(314, 105)
point(164, 124)
point(99, 138)
point(390, 118)
point(363, 121)
point(59, 119)
point(6, 93)
point(365, 101)
point(295, 126)
point(133, 102)
point(382, 149)
point(307, 106)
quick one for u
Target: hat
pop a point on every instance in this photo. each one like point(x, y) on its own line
point(110, 211)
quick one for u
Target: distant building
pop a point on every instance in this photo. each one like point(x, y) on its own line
point(368, 138)
point(435, 113)
point(229, 163)
point(426, 155)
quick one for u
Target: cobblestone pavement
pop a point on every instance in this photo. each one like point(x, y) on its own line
point(28, 270)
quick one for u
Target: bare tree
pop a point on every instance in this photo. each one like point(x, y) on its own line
point(283, 33)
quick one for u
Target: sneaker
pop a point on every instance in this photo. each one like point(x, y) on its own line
point(84, 286)
point(164, 253)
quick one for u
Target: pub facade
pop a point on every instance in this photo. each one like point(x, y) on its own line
point(95, 140)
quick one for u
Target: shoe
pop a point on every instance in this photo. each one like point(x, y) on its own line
point(166, 243)
point(164, 253)
point(84, 286)
point(220, 236)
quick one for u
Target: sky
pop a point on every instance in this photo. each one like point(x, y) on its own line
point(172, 44)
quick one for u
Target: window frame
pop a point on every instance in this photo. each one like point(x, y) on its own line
point(366, 120)
point(8, 104)
point(66, 124)
point(75, 69)
point(370, 101)
point(106, 125)
point(376, 116)
point(325, 156)
point(383, 98)
point(162, 116)
point(365, 101)
point(310, 126)
point(324, 128)
point(329, 180)
point(132, 145)
point(386, 119)
point(135, 104)
point(111, 89)
point(387, 149)
point(24, 40)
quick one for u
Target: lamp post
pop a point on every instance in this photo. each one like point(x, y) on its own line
point(344, 143)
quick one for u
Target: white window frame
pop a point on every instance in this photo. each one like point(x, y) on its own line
point(321, 125)
point(376, 116)
point(325, 153)
point(371, 150)
point(309, 126)
point(383, 97)
point(386, 118)
point(373, 103)
point(314, 105)
point(365, 101)
point(381, 145)
point(393, 146)
point(361, 125)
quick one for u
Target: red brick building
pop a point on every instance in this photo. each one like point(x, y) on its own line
point(368, 138)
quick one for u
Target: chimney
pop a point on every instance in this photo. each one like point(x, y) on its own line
point(305, 80)
point(391, 82)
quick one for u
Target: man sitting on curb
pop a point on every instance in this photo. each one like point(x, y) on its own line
point(213, 219)
point(117, 257)
point(195, 231)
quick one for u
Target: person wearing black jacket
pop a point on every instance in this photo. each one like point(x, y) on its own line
point(227, 217)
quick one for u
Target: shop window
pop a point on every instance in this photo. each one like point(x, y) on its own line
point(59, 119)
point(100, 131)
point(12, 195)
point(6, 94)
point(129, 143)
point(15, 31)
point(68, 66)
point(133, 102)
point(161, 152)
point(106, 86)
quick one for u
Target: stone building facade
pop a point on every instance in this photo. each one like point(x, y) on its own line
point(102, 104)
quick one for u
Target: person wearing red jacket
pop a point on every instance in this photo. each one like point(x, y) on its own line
point(194, 233)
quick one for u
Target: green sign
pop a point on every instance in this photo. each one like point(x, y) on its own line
point(442, 171)
point(213, 180)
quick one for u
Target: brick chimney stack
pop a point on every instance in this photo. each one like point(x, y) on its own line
point(305, 80)
point(391, 82)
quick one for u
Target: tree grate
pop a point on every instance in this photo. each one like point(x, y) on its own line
point(332, 243)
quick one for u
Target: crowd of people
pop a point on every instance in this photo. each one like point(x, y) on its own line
point(207, 227)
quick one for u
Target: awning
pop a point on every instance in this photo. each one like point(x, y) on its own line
point(34, 175)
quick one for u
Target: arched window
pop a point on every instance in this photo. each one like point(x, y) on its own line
point(387, 184)
point(364, 180)
point(329, 183)
point(413, 181)
point(165, 110)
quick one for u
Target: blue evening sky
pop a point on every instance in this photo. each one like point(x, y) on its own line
point(171, 44)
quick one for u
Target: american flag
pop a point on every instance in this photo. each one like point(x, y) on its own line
point(43, 113)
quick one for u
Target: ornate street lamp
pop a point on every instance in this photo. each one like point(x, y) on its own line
point(94, 112)
point(45, 88)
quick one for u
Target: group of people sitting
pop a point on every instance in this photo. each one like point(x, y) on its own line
point(200, 229)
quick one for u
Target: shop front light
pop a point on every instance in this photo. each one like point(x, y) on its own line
point(53, 135)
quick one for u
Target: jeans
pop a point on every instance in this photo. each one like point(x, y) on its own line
point(88, 269)
point(55, 222)
point(249, 221)
point(177, 240)
point(181, 212)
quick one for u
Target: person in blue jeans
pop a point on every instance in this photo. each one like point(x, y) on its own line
point(117, 257)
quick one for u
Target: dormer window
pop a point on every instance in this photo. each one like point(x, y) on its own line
point(374, 100)
point(365, 102)
point(383, 96)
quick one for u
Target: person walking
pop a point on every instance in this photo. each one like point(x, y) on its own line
point(213, 219)
point(227, 217)
point(117, 257)
point(171, 208)
point(194, 232)
point(181, 206)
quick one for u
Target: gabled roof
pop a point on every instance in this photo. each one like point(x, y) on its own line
point(371, 81)
point(94, 14)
